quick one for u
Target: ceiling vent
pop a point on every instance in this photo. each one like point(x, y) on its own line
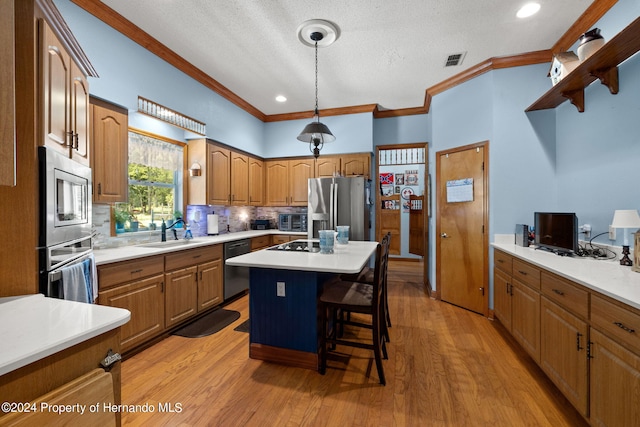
point(455, 59)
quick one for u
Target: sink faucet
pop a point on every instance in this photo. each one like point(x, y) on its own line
point(165, 228)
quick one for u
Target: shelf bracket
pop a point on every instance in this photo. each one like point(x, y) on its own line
point(576, 97)
point(608, 77)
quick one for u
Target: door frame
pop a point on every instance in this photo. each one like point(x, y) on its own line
point(485, 221)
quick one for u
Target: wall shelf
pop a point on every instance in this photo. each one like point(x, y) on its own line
point(602, 65)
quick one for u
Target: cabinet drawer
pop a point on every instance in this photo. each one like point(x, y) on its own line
point(189, 257)
point(526, 273)
point(618, 322)
point(566, 294)
point(260, 242)
point(277, 239)
point(122, 272)
point(502, 261)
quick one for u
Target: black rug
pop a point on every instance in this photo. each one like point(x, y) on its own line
point(243, 327)
point(209, 324)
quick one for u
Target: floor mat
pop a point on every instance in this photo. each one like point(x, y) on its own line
point(243, 327)
point(209, 324)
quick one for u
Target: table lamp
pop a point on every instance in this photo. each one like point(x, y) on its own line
point(626, 219)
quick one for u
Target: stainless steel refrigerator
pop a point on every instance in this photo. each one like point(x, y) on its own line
point(339, 201)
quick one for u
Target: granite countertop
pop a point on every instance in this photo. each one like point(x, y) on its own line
point(346, 259)
point(606, 277)
point(33, 327)
point(125, 253)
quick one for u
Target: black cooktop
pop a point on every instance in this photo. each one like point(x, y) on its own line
point(297, 246)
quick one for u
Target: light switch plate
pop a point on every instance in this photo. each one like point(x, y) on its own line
point(280, 290)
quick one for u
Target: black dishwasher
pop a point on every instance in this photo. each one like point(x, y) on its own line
point(236, 279)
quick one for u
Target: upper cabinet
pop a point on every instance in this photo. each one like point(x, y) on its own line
point(345, 165)
point(228, 177)
point(602, 65)
point(287, 181)
point(65, 108)
point(109, 145)
point(7, 95)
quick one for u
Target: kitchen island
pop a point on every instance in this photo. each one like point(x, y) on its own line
point(283, 290)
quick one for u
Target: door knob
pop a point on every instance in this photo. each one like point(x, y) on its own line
point(444, 235)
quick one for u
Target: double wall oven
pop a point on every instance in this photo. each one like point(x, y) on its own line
point(65, 218)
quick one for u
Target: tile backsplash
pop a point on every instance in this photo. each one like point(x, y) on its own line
point(230, 219)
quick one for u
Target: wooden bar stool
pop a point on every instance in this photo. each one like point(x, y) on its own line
point(355, 297)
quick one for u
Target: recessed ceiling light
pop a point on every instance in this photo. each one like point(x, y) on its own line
point(528, 10)
point(281, 98)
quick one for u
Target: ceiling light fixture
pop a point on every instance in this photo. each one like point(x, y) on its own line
point(281, 98)
point(528, 10)
point(317, 32)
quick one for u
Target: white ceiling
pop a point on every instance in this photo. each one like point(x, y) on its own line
point(388, 53)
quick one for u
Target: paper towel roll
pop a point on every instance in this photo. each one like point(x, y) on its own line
point(212, 224)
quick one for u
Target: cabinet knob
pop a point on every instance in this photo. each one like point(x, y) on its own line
point(444, 235)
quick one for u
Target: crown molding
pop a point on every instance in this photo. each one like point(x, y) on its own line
point(110, 17)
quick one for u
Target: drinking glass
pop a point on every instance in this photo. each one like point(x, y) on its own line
point(343, 234)
point(326, 241)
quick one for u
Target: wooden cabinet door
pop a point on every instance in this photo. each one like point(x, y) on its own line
point(327, 166)
point(356, 165)
point(181, 295)
point(563, 352)
point(218, 175)
point(277, 178)
point(145, 300)
point(239, 179)
point(502, 298)
point(109, 159)
point(525, 318)
point(615, 381)
point(299, 173)
point(79, 115)
point(210, 284)
point(56, 69)
point(256, 182)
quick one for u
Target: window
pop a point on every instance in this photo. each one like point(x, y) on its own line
point(156, 168)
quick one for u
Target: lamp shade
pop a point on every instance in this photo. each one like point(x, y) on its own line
point(626, 219)
point(316, 130)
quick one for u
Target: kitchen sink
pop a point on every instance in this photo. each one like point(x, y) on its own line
point(167, 244)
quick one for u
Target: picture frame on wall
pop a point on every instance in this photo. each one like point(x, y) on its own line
point(399, 179)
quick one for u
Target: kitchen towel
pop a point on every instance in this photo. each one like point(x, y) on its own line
point(74, 284)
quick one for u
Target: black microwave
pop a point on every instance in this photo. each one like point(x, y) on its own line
point(292, 222)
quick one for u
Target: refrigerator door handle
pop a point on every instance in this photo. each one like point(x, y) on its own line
point(334, 209)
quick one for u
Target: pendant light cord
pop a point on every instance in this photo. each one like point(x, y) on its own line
point(316, 111)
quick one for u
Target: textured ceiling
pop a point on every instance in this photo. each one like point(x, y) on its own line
point(388, 53)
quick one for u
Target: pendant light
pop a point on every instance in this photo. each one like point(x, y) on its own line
point(312, 33)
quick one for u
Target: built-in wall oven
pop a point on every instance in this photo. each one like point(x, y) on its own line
point(65, 218)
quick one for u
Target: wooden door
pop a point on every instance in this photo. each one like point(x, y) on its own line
point(145, 300)
point(109, 158)
point(327, 166)
point(525, 318)
point(210, 281)
point(277, 178)
point(461, 221)
point(56, 70)
point(502, 298)
point(256, 182)
point(563, 352)
point(615, 381)
point(239, 179)
point(300, 170)
point(181, 295)
point(79, 115)
point(218, 175)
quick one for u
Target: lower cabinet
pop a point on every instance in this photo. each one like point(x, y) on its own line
point(145, 300)
point(502, 297)
point(181, 295)
point(563, 354)
point(525, 318)
point(615, 381)
point(210, 284)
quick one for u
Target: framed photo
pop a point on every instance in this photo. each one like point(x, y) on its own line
point(399, 179)
point(411, 178)
point(387, 190)
point(397, 189)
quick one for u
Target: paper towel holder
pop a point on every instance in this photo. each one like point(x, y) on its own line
point(195, 170)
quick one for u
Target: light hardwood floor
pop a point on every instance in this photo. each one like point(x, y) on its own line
point(446, 367)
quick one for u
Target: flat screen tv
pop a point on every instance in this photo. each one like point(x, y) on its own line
point(557, 232)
